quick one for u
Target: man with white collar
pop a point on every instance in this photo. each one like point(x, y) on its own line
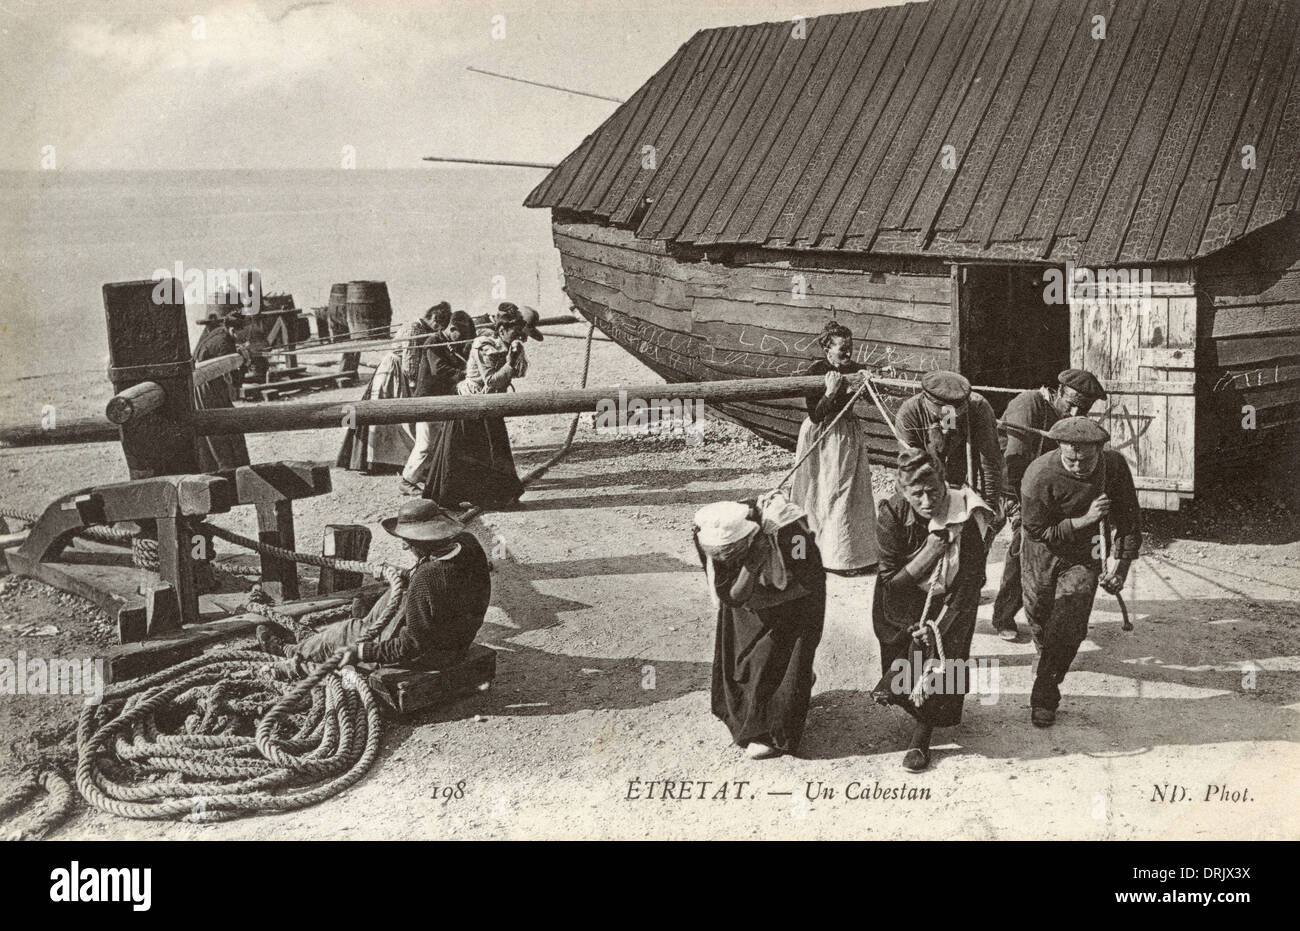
point(446, 599)
point(932, 553)
point(1023, 431)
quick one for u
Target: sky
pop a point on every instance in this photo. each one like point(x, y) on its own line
point(146, 84)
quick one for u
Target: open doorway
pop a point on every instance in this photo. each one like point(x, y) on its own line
point(1010, 335)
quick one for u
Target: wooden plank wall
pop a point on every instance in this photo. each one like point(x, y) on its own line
point(1248, 343)
point(758, 316)
point(1142, 347)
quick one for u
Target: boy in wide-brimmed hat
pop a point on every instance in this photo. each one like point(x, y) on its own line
point(446, 599)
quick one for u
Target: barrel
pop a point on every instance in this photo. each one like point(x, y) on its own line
point(370, 313)
point(338, 325)
point(337, 311)
point(322, 315)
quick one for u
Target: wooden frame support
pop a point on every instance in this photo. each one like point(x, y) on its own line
point(272, 488)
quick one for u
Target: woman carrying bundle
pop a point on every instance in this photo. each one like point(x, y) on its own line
point(927, 592)
point(766, 581)
point(833, 484)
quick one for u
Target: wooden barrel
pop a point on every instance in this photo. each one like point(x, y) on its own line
point(370, 313)
point(337, 312)
point(338, 325)
point(322, 315)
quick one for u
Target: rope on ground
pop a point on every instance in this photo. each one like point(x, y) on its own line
point(1173, 560)
point(181, 744)
point(47, 757)
point(49, 814)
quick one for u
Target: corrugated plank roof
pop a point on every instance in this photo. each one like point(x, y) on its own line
point(1126, 149)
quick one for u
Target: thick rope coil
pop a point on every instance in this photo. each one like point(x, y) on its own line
point(53, 811)
point(312, 740)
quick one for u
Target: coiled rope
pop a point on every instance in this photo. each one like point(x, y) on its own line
point(53, 810)
point(169, 745)
point(313, 739)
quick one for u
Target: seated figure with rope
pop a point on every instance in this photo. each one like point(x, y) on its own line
point(932, 555)
point(444, 604)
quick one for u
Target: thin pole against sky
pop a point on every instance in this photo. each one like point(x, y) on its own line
point(487, 161)
point(554, 87)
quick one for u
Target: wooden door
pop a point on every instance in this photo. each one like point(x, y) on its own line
point(1139, 338)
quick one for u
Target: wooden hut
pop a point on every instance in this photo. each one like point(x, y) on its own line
point(925, 173)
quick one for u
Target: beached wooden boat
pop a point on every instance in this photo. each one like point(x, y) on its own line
point(980, 185)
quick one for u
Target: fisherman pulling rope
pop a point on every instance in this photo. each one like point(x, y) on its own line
point(1073, 498)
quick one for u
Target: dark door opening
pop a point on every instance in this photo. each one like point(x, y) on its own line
point(1014, 329)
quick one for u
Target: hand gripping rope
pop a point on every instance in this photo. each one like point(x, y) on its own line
point(929, 627)
point(1105, 553)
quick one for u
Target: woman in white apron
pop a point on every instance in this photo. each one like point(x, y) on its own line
point(833, 485)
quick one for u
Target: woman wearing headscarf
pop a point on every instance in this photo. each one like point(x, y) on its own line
point(833, 485)
point(472, 462)
point(927, 592)
point(766, 580)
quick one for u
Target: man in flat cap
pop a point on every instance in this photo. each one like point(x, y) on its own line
point(446, 600)
point(1078, 504)
point(957, 427)
point(1023, 431)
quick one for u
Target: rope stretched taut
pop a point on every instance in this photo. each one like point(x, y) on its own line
point(825, 432)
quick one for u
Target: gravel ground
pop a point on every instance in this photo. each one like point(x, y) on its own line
point(606, 637)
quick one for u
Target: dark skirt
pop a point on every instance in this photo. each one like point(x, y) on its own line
point(471, 461)
point(219, 452)
point(943, 707)
point(763, 669)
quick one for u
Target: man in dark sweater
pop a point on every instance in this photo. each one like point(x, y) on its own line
point(1023, 437)
point(1078, 506)
point(959, 429)
point(446, 599)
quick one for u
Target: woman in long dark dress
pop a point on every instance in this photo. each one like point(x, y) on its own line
point(221, 339)
point(833, 485)
point(931, 572)
point(471, 462)
point(766, 578)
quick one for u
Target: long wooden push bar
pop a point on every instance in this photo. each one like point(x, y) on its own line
point(314, 415)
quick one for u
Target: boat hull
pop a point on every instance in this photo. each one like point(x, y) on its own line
point(759, 315)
